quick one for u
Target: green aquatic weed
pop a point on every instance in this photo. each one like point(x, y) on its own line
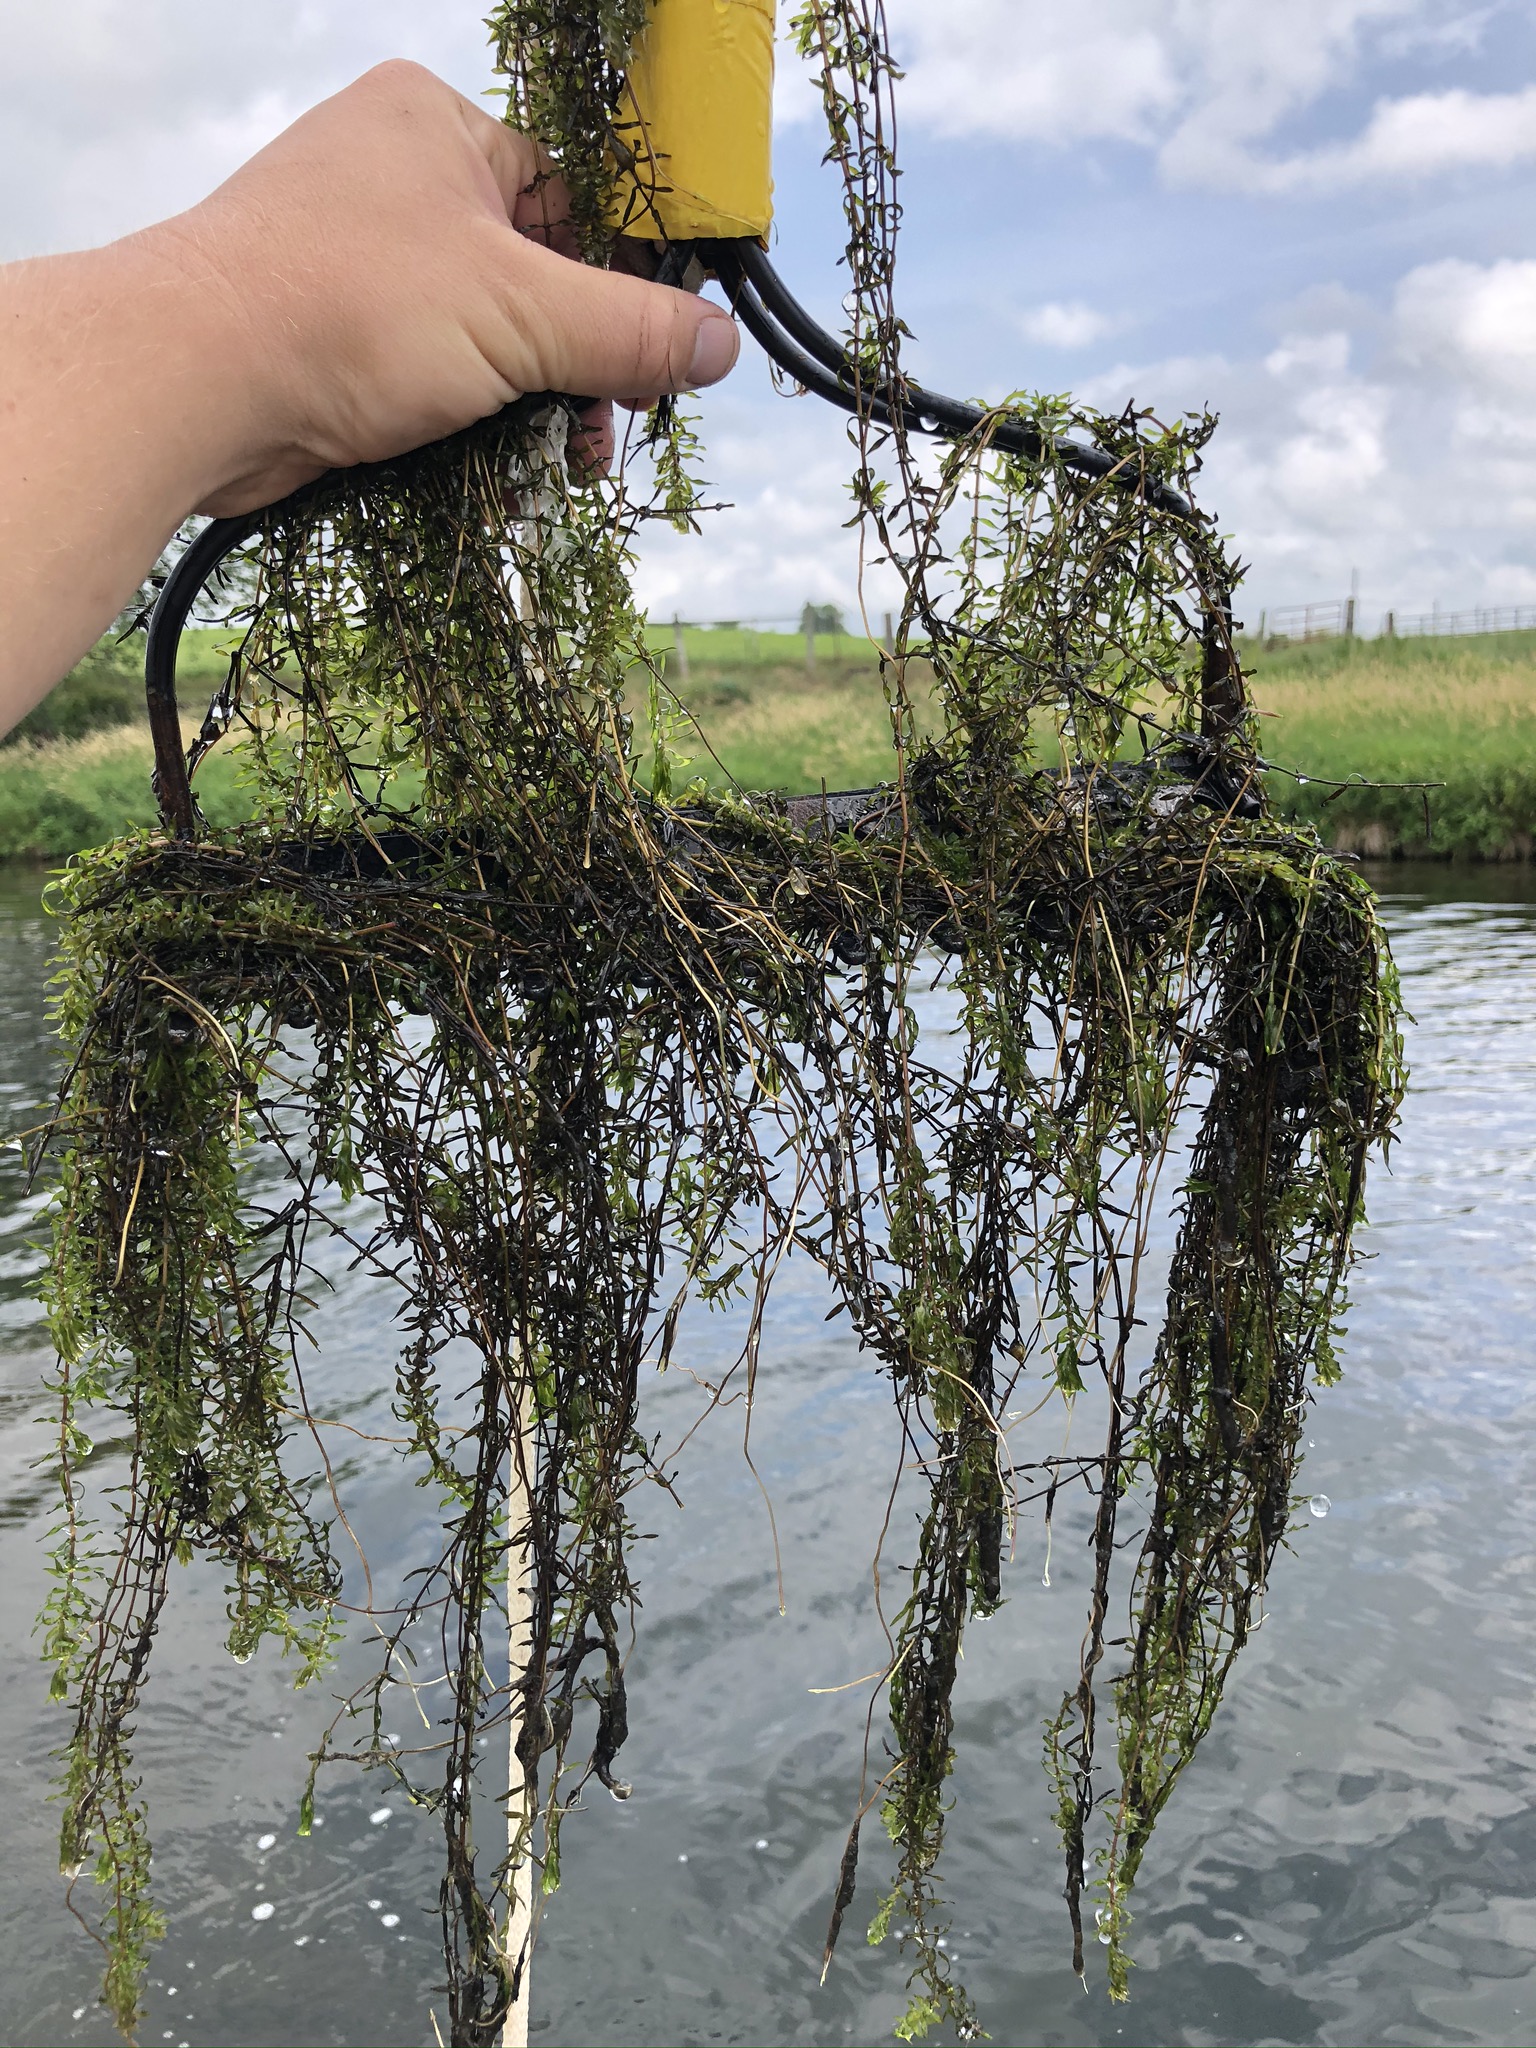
point(549, 1048)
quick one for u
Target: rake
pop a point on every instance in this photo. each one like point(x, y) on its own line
point(674, 232)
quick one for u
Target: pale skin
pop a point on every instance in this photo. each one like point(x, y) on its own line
point(390, 269)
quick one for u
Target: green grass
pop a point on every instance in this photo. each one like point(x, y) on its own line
point(772, 722)
point(1457, 713)
point(76, 771)
point(57, 796)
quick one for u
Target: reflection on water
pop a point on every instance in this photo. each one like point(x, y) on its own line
point(1352, 1858)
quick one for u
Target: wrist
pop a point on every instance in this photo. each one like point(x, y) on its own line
point(221, 365)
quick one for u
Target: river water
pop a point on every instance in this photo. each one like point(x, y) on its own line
point(1351, 1858)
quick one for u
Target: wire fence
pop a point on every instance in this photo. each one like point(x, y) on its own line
point(1326, 620)
point(1336, 617)
point(821, 629)
point(1508, 618)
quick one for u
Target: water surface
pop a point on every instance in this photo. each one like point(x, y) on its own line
point(1351, 1857)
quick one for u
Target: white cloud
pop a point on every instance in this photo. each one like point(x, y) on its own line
point(114, 113)
point(1475, 323)
point(1064, 324)
point(1398, 443)
point(1106, 68)
point(1202, 82)
point(1423, 136)
point(1314, 355)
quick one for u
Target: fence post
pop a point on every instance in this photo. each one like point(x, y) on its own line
point(890, 635)
point(1389, 626)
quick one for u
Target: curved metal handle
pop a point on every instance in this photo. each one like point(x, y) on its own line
point(202, 561)
point(214, 545)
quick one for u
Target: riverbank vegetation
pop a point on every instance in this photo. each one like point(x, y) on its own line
point(1435, 739)
point(1444, 730)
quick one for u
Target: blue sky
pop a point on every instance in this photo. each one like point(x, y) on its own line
point(1316, 216)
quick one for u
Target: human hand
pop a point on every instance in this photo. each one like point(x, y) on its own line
point(386, 272)
point(395, 266)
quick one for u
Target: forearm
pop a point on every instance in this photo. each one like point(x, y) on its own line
point(121, 410)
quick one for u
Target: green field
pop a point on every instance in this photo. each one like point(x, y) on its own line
point(1454, 720)
point(1460, 714)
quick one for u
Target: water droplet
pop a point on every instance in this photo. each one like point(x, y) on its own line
point(264, 1911)
point(277, 1734)
point(761, 1843)
point(242, 1656)
point(265, 1841)
point(170, 1990)
point(301, 1941)
point(390, 1920)
point(682, 1859)
point(928, 422)
point(1319, 1505)
point(374, 1905)
point(1311, 1443)
point(1105, 1936)
point(941, 1942)
point(1302, 781)
point(318, 1821)
point(71, 1870)
point(79, 2012)
point(377, 1818)
point(851, 303)
point(1237, 1937)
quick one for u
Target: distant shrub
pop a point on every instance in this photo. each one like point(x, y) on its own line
point(104, 690)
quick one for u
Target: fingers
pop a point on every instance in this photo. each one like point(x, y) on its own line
point(609, 336)
point(590, 448)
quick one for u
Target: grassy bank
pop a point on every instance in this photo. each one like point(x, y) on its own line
point(1458, 713)
point(57, 796)
point(777, 723)
point(76, 771)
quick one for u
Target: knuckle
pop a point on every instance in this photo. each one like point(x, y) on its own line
point(401, 78)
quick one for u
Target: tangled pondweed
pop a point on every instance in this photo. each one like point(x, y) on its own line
point(577, 1045)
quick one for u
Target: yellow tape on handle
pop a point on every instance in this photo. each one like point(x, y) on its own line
point(698, 119)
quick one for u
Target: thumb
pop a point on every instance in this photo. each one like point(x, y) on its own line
point(602, 334)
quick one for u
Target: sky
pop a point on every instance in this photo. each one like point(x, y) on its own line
point(1316, 217)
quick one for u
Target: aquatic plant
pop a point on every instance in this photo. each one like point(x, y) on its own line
point(551, 1048)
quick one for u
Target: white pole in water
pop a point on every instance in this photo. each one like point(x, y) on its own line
point(514, 2032)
